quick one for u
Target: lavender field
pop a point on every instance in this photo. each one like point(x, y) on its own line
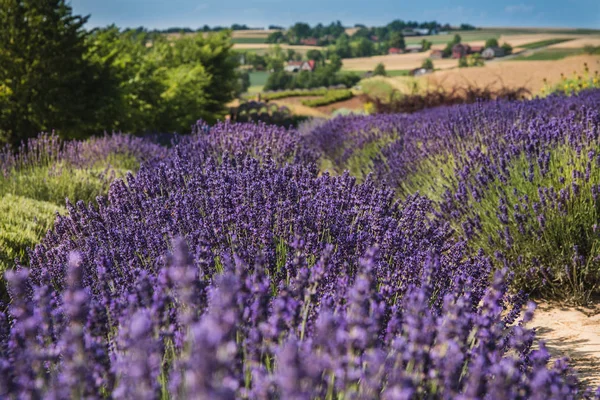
point(362, 257)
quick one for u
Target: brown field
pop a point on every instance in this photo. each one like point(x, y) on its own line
point(394, 62)
point(529, 74)
point(578, 43)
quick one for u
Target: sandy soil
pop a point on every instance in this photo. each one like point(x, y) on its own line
point(573, 333)
point(529, 74)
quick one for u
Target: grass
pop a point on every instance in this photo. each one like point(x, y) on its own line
point(377, 88)
point(467, 36)
point(544, 43)
point(249, 40)
point(549, 55)
point(392, 73)
point(259, 78)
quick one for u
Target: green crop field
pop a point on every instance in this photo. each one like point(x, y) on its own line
point(544, 43)
point(248, 40)
point(549, 55)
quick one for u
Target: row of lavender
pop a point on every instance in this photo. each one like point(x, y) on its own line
point(232, 268)
point(520, 180)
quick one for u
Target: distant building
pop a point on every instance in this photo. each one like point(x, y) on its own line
point(374, 38)
point(309, 41)
point(414, 48)
point(419, 71)
point(308, 65)
point(293, 66)
point(297, 66)
point(409, 32)
point(436, 54)
point(460, 50)
point(492, 52)
point(422, 31)
point(476, 49)
point(395, 50)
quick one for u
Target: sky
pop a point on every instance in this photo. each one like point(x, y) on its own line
point(161, 14)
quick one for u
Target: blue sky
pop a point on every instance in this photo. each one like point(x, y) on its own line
point(195, 13)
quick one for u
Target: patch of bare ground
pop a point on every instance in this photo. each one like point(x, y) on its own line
point(355, 103)
point(574, 333)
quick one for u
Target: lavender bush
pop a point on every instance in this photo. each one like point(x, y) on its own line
point(517, 179)
point(243, 279)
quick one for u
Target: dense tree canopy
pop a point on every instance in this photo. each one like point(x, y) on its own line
point(55, 75)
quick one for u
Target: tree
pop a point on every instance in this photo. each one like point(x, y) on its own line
point(397, 40)
point(427, 64)
point(46, 81)
point(507, 48)
point(462, 62)
point(315, 55)
point(493, 42)
point(426, 45)
point(456, 40)
point(342, 47)
point(275, 37)
point(380, 70)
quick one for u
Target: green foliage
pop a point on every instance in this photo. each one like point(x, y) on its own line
point(472, 60)
point(507, 48)
point(56, 76)
point(426, 45)
point(323, 76)
point(492, 42)
point(397, 40)
point(427, 64)
point(23, 222)
point(330, 97)
point(47, 81)
point(293, 93)
point(380, 70)
point(575, 84)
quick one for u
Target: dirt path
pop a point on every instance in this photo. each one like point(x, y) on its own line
point(570, 332)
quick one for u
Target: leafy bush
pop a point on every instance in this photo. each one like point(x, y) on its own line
point(331, 96)
point(23, 223)
point(293, 93)
point(252, 111)
point(379, 70)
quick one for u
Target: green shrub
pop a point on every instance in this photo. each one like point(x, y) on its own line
point(292, 93)
point(23, 222)
point(332, 96)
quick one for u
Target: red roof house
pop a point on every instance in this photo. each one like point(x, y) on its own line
point(309, 41)
point(395, 50)
point(460, 50)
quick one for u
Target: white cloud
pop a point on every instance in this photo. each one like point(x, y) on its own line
point(518, 9)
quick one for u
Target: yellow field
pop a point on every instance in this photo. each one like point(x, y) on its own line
point(529, 74)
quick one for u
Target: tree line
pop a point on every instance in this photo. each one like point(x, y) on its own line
point(56, 75)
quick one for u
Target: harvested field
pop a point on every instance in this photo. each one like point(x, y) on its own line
point(529, 74)
point(578, 43)
point(299, 109)
point(394, 62)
